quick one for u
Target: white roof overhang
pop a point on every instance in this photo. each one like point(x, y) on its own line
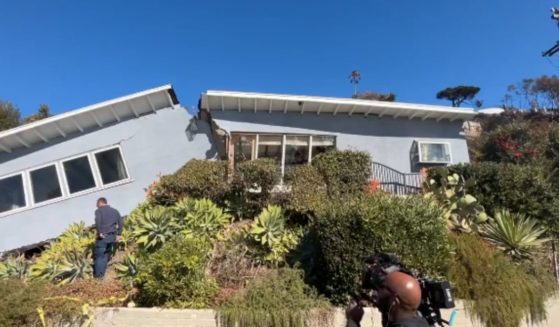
point(86, 118)
point(262, 102)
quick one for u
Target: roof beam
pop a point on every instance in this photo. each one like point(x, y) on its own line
point(59, 130)
point(77, 124)
point(285, 107)
point(40, 135)
point(441, 117)
point(255, 104)
point(222, 104)
point(303, 108)
point(96, 119)
point(113, 111)
point(5, 148)
point(398, 114)
point(151, 104)
point(369, 111)
point(383, 112)
point(319, 109)
point(133, 108)
point(352, 109)
point(239, 104)
point(170, 100)
point(22, 141)
point(414, 115)
point(426, 116)
point(270, 107)
point(455, 117)
point(337, 108)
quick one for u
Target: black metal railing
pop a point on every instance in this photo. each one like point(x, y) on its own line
point(396, 182)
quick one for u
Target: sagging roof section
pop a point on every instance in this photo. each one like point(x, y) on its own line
point(263, 102)
point(86, 118)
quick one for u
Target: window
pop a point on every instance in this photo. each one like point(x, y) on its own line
point(12, 194)
point(433, 152)
point(78, 174)
point(321, 144)
point(111, 166)
point(291, 150)
point(45, 184)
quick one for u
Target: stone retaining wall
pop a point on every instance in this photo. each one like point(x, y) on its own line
point(149, 317)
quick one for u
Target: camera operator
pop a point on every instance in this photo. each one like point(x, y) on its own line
point(400, 297)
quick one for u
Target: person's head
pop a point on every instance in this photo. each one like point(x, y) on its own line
point(399, 295)
point(101, 202)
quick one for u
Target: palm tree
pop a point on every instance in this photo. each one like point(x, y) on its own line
point(354, 79)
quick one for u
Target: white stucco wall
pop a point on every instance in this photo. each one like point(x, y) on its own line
point(150, 144)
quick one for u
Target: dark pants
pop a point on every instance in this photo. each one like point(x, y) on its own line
point(103, 250)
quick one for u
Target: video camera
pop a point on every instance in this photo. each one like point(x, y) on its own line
point(435, 295)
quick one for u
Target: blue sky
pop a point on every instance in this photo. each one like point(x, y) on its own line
point(70, 54)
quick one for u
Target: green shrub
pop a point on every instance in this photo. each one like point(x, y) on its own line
point(253, 182)
point(498, 293)
point(519, 188)
point(514, 142)
point(308, 189)
point(345, 172)
point(153, 227)
point(347, 231)
point(25, 304)
point(281, 300)
point(196, 179)
point(204, 218)
point(175, 276)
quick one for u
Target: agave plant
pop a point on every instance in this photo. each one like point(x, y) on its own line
point(67, 258)
point(274, 239)
point(206, 218)
point(461, 210)
point(516, 234)
point(269, 226)
point(154, 227)
point(14, 267)
point(183, 207)
point(128, 267)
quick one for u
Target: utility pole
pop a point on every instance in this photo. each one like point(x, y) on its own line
point(553, 50)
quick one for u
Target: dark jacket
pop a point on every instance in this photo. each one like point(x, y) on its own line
point(108, 221)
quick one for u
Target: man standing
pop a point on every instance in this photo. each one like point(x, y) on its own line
point(108, 224)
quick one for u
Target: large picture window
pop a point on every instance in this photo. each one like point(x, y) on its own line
point(111, 166)
point(45, 184)
point(12, 194)
point(287, 150)
point(79, 175)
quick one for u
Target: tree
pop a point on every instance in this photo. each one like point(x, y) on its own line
point(10, 116)
point(370, 95)
point(354, 79)
point(459, 94)
point(42, 113)
point(541, 93)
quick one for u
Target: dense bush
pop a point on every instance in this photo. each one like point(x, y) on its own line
point(345, 172)
point(307, 189)
point(253, 182)
point(196, 179)
point(348, 231)
point(519, 188)
point(499, 293)
point(514, 142)
point(175, 276)
point(281, 300)
point(29, 304)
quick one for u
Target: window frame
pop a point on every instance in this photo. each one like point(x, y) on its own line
point(63, 194)
point(26, 196)
point(420, 157)
point(284, 137)
point(67, 186)
point(97, 171)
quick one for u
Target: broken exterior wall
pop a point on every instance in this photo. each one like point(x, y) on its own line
point(155, 143)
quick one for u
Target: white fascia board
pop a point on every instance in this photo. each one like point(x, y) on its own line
point(436, 111)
